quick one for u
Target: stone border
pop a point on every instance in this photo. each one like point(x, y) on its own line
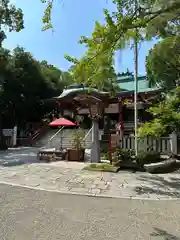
point(92, 195)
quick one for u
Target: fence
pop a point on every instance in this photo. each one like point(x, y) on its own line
point(162, 144)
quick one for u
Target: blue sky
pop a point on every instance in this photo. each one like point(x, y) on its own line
point(71, 19)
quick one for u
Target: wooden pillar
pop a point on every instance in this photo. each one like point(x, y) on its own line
point(121, 116)
point(60, 109)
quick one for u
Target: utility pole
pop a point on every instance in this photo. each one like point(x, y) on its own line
point(136, 84)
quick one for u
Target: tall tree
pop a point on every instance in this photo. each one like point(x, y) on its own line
point(163, 63)
point(11, 18)
point(55, 77)
point(166, 116)
point(161, 16)
point(25, 83)
point(158, 19)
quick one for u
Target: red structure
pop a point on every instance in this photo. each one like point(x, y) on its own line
point(119, 109)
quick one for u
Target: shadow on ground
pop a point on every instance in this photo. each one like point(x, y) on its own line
point(164, 234)
point(155, 184)
point(18, 156)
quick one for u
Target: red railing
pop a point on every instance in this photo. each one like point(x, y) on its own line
point(26, 141)
point(38, 133)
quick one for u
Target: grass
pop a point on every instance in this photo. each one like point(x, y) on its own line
point(102, 167)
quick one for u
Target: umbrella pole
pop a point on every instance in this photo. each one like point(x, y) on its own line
point(61, 139)
point(56, 134)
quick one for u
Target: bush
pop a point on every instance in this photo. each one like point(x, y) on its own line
point(78, 141)
point(3, 145)
point(147, 157)
point(123, 154)
point(105, 155)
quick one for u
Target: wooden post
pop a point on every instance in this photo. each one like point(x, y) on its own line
point(110, 149)
point(121, 117)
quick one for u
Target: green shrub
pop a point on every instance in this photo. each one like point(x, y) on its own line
point(78, 141)
point(147, 157)
point(123, 154)
point(104, 155)
point(3, 145)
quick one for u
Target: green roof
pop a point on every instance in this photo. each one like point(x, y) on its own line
point(127, 84)
point(74, 91)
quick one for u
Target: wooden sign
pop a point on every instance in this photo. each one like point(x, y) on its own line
point(115, 140)
point(7, 132)
point(94, 110)
point(112, 108)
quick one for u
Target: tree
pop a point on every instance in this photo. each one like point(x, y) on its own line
point(163, 63)
point(55, 77)
point(166, 116)
point(117, 33)
point(161, 16)
point(25, 82)
point(11, 19)
point(98, 73)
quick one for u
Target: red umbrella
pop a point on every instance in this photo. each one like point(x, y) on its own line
point(62, 122)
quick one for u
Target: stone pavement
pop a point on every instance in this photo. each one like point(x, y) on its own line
point(20, 167)
point(70, 178)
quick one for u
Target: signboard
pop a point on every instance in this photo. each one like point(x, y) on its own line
point(94, 110)
point(115, 140)
point(139, 105)
point(112, 108)
point(67, 113)
point(7, 132)
point(83, 111)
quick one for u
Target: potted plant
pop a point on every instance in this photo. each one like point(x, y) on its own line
point(77, 152)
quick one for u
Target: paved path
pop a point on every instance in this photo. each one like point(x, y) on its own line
point(19, 167)
point(38, 215)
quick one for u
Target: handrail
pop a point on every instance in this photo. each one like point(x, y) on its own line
point(35, 135)
point(56, 134)
point(50, 140)
point(87, 134)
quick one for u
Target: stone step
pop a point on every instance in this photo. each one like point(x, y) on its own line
point(66, 141)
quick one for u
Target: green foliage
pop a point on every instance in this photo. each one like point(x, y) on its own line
point(163, 63)
point(47, 15)
point(11, 19)
point(25, 82)
point(166, 116)
point(104, 155)
point(78, 141)
point(103, 167)
point(123, 154)
point(147, 157)
point(96, 67)
point(158, 18)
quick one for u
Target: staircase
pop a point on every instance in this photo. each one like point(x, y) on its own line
point(66, 135)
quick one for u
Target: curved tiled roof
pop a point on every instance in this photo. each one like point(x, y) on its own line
point(74, 91)
point(126, 84)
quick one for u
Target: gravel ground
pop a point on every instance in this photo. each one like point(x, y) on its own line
point(39, 215)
